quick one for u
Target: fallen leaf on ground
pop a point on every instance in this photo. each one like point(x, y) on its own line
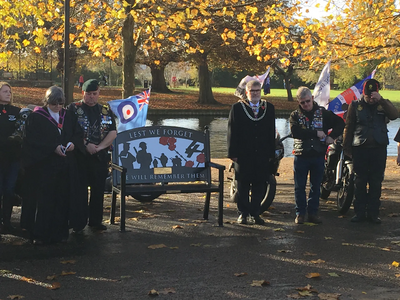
point(153, 293)
point(304, 288)
point(174, 248)
point(158, 246)
point(260, 283)
point(52, 277)
point(64, 262)
point(309, 254)
point(310, 224)
point(133, 219)
point(333, 274)
point(395, 264)
point(279, 229)
point(328, 238)
point(318, 261)
point(300, 231)
point(168, 291)
point(305, 293)
point(341, 217)
point(329, 296)
point(393, 215)
point(12, 297)
point(191, 224)
point(183, 220)
point(195, 245)
point(55, 286)
point(294, 296)
point(386, 249)
point(285, 251)
point(345, 244)
point(313, 275)
point(65, 273)
point(397, 275)
point(395, 242)
point(177, 227)
point(240, 274)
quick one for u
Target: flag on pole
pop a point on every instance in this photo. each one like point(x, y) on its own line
point(323, 87)
point(131, 112)
point(241, 88)
point(340, 104)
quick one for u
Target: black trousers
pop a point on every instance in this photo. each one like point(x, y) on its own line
point(93, 170)
point(369, 168)
point(244, 205)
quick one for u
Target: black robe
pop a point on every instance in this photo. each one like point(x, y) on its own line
point(49, 181)
point(252, 142)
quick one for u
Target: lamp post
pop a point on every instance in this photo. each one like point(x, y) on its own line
point(66, 52)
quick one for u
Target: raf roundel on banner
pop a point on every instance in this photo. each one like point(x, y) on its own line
point(127, 111)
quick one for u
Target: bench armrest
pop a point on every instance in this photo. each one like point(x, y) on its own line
point(215, 165)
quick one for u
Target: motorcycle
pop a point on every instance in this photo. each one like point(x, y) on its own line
point(338, 176)
point(271, 183)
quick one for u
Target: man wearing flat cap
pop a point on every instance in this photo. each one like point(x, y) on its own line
point(98, 124)
point(365, 139)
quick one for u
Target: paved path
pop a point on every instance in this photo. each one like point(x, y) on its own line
point(170, 249)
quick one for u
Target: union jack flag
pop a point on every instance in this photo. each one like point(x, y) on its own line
point(131, 112)
point(143, 98)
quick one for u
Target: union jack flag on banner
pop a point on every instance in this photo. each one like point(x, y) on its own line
point(131, 112)
point(340, 104)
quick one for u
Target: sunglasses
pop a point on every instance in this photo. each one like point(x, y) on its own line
point(305, 101)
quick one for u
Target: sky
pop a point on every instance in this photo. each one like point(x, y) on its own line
point(320, 12)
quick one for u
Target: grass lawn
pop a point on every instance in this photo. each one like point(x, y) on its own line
point(393, 96)
point(180, 98)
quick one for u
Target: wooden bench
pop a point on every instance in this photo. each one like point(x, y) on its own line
point(158, 160)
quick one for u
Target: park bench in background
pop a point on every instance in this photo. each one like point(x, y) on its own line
point(155, 160)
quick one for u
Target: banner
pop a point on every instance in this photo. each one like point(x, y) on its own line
point(323, 87)
point(340, 104)
point(131, 112)
point(263, 79)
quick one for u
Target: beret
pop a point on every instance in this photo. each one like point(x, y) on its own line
point(90, 85)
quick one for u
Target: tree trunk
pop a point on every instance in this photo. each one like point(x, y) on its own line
point(205, 92)
point(129, 57)
point(288, 87)
point(158, 83)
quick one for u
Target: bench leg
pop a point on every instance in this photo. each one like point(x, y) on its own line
point(122, 213)
point(113, 204)
point(220, 208)
point(207, 206)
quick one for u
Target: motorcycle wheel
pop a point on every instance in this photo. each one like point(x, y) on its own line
point(346, 191)
point(270, 193)
point(324, 193)
point(146, 197)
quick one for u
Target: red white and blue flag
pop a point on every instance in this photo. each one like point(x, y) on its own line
point(131, 112)
point(340, 104)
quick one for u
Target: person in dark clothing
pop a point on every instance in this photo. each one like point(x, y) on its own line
point(365, 139)
point(9, 155)
point(98, 124)
point(251, 145)
point(52, 135)
point(309, 125)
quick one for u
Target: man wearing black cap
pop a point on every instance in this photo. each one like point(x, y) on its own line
point(99, 128)
point(365, 139)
